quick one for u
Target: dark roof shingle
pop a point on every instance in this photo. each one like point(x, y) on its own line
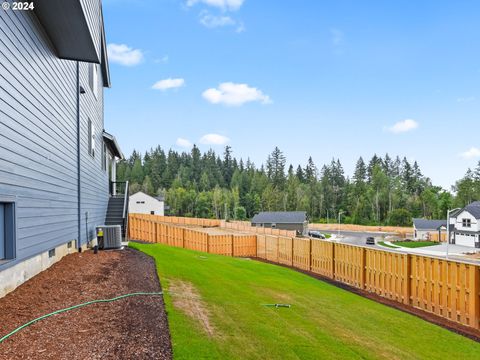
point(424, 224)
point(474, 209)
point(280, 217)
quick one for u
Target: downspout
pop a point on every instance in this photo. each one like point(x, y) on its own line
point(79, 219)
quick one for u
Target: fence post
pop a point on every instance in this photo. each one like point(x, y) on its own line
point(293, 245)
point(130, 228)
point(310, 254)
point(333, 260)
point(150, 230)
point(153, 231)
point(265, 245)
point(474, 310)
point(408, 290)
point(233, 247)
point(363, 268)
point(208, 243)
point(183, 237)
point(278, 246)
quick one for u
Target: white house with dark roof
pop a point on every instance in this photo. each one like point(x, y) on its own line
point(284, 220)
point(141, 203)
point(465, 226)
point(424, 229)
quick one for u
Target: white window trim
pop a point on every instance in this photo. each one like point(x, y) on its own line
point(10, 228)
point(91, 133)
point(95, 80)
point(105, 156)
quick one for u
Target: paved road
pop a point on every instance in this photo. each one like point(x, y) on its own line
point(359, 238)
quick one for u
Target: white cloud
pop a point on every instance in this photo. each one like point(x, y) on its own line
point(168, 84)
point(471, 153)
point(183, 143)
point(214, 139)
point(163, 60)
point(336, 37)
point(212, 21)
point(124, 55)
point(230, 5)
point(240, 28)
point(232, 94)
point(403, 126)
point(465, 99)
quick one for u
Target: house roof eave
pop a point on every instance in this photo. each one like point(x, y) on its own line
point(112, 144)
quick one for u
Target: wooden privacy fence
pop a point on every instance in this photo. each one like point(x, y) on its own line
point(435, 236)
point(246, 226)
point(402, 231)
point(231, 225)
point(177, 220)
point(149, 228)
point(449, 289)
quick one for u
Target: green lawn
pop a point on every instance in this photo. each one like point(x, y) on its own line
point(324, 322)
point(415, 244)
point(382, 243)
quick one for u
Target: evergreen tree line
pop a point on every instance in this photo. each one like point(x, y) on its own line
point(382, 191)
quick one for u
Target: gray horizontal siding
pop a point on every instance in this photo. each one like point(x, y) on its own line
point(38, 136)
point(94, 181)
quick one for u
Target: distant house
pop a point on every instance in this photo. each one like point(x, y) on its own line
point(465, 226)
point(424, 229)
point(284, 220)
point(141, 203)
point(57, 164)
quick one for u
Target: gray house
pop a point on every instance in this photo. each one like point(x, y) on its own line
point(57, 163)
point(284, 220)
point(424, 229)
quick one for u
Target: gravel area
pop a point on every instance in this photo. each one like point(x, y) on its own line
point(131, 328)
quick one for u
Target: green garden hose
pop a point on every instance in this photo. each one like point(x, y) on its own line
point(76, 307)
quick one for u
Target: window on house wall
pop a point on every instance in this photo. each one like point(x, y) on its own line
point(90, 76)
point(93, 78)
point(467, 223)
point(2, 231)
point(104, 157)
point(91, 138)
point(7, 230)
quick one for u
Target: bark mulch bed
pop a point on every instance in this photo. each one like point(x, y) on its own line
point(131, 328)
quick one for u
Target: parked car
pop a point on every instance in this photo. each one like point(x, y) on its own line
point(316, 234)
point(370, 240)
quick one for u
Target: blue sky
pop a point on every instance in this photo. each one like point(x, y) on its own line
point(328, 79)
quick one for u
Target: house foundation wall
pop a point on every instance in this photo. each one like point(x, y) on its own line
point(16, 275)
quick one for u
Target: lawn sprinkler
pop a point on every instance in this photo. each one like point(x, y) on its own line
point(278, 305)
